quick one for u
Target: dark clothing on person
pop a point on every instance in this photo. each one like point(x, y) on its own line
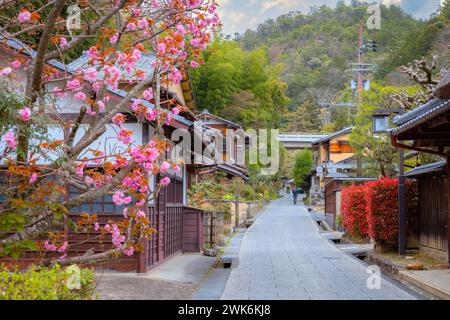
point(295, 194)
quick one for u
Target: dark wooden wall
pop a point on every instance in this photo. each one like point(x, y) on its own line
point(433, 211)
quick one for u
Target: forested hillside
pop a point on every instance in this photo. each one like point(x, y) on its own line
point(305, 56)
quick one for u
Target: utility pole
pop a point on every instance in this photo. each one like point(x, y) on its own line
point(360, 61)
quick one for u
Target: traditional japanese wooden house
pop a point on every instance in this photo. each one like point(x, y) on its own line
point(232, 161)
point(333, 157)
point(178, 227)
point(427, 129)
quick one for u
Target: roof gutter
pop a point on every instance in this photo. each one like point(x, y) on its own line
point(397, 144)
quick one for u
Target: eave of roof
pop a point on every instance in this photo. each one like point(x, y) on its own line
point(420, 114)
point(334, 135)
point(205, 113)
point(427, 168)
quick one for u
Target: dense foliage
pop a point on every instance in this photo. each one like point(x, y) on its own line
point(46, 284)
point(353, 210)
point(302, 167)
point(382, 209)
point(240, 85)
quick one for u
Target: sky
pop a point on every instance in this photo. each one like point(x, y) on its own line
point(240, 15)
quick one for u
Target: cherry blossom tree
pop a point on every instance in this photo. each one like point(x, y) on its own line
point(39, 165)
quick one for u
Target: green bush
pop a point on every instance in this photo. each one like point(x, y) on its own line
point(46, 284)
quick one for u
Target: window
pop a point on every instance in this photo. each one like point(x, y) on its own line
point(101, 205)
point(380, 123)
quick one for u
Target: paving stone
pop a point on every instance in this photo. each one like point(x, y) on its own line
point(282, 256)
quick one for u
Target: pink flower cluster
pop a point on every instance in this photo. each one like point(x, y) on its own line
point(25, 114)
point(24, 16)
point(117, 237)
point(10, 140)
point(125, 136)
point(53, 248)
point(120, 199)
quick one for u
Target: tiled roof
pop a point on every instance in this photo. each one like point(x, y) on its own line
point(144, 63)
point(205, 113)
point(81, 63)
point(414, 116)
point(427, 168)
point(334, 135)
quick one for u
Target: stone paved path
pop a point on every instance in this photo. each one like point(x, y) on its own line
point(283, 257)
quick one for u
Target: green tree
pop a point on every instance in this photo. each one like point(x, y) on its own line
point(240, 85)
point(302, 167)
point(376, 149)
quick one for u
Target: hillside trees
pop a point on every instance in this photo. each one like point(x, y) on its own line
point(240, 85)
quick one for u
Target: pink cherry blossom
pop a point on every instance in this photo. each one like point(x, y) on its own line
point(96, 226)
point(90, 74)
point(125, 136)
point(140, 214)
point(175, 76)
point(162, 47)
point(181, 30)
point(74, 85)
point(164, 167)
point(165, 181)
point(79, 169)
point(80, 96)
point(96, 86)
point(151, 115)
point(63, 248)
point(25, 114)
point(118, 119)
point(24, 16)
point(89, 180)
point(120, 199)
point(16, 64)
point(131, 26)
point(196, 42)
point(148, 94)
point(143, 24)
point(33, 178)
point(10, 140)
point(50, 247)
point(175, 110)
point(136, 12)
point(114, 39)
point(194, 64)
point(101, 106)
point(128, 251)
point(62, 42)
point(168, 119)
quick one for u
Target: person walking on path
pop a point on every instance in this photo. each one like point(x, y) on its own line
point(294, 190)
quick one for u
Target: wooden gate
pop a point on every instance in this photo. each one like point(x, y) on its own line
point(167, 220)
point(433, 212)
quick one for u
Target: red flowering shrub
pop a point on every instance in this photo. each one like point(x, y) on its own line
point(353, 208)
point(382, 209)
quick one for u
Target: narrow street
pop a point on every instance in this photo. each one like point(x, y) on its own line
point(283, 257)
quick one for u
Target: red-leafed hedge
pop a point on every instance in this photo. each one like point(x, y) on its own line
point(382, 209)
point(353, 208)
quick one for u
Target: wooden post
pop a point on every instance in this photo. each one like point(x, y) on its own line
point(402, 207)
point(448, 212)
point(236, 214)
